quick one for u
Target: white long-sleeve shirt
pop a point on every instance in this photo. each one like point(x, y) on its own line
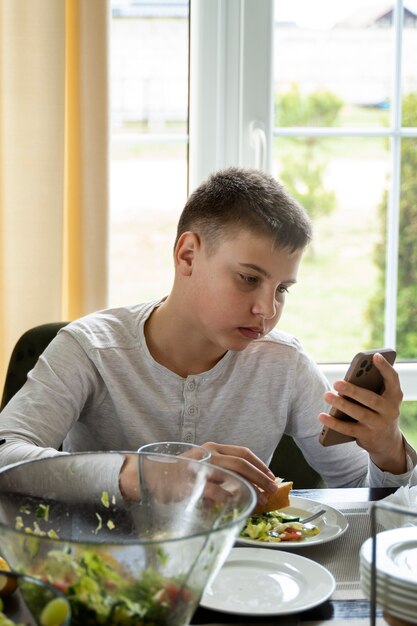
point(97, 387)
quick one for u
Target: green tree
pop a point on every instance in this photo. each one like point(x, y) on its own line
point(407, 259)
point(318, 108)
point(407, 264)
point(303, 170)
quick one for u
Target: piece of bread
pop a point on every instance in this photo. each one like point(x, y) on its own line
point(277, 500)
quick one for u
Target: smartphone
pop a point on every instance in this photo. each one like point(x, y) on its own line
point(362, 373)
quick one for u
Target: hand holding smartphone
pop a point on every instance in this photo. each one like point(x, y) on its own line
point(362, 373)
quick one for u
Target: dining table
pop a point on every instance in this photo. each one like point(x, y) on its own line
point(348, 605)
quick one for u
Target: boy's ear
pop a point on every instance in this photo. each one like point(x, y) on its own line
point(188, 246)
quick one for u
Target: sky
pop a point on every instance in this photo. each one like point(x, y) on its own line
point(325, 13)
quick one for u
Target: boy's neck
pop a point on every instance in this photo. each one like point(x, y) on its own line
point(173, 344)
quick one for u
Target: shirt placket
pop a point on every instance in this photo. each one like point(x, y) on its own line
point(190, 411)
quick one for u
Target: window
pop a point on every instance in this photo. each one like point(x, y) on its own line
point(338, 141)
point(345, 143)
point(149, 144)
point(322, 95)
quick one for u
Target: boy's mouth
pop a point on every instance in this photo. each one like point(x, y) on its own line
point(251, 332)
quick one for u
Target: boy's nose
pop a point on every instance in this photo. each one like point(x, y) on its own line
point(265, 307)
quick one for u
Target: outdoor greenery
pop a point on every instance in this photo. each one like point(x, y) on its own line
point(303, 172)
point(303, 169)
point(407, 262)
point(408, 421)
point(318, 108)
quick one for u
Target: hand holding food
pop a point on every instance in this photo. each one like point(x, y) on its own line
point(244, 462)
point(279, 499)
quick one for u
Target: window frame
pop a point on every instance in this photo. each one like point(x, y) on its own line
point(231, 116)
point(231, 103)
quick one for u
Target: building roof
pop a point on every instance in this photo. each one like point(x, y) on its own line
point(369, 15)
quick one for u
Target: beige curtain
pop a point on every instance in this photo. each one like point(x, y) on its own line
point(53, 163)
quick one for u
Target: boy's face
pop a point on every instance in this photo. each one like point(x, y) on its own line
point(238, 291)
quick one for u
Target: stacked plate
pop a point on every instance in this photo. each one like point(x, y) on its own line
point(396, 572)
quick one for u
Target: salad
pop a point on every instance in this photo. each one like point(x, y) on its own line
point(98, 588)
point(275, 526)
point(100, 593)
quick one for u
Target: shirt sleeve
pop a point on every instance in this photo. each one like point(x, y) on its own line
point(378, 478)
point(73, 478)
point(37, 419)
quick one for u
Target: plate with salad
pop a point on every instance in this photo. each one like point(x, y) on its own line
point(283, 529)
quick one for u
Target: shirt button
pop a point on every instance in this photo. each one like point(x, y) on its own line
point(191, 385)
point(188, 437)
point(191, 410)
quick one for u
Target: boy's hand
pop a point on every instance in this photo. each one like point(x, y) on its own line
point(171, 481)
point(244, 462)
point(129, 478)
point(377, 428)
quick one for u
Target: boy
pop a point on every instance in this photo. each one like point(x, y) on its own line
point(205, 364)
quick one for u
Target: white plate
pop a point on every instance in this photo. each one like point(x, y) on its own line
point(332, 525)
point(256, 581)
point(396, 552)
point(389, 596)
point(391, 602)
point(387, 587)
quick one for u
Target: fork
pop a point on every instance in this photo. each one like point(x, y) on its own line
point(306, 520)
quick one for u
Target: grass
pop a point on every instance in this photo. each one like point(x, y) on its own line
point(408, 422)
point(326, 309)
point(333, 147)
point(410, 433)
point(346, 147)
point(352, 115)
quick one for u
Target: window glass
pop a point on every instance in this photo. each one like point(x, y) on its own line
point(335, 147)
point(143, 220)
point(149, 141)
point(331, 148)
point(341, 182)
point(409, 71)
point(340, 49)
point(408, 421)
point(407, 254)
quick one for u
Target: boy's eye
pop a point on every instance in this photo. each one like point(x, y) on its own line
point(282, 289)
point(249, 280)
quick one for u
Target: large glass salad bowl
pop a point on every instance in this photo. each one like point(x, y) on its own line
point(137, 561)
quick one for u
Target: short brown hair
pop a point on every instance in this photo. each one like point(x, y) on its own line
point(245, 199)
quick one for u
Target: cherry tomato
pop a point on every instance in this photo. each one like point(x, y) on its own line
point(291, 534)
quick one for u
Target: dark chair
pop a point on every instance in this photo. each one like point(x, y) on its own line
point(287, 462)
point(24, 356)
